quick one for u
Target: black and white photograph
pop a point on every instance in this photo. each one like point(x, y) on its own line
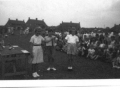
point(61, 43)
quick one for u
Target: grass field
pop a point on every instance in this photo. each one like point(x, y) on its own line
point(83, 68)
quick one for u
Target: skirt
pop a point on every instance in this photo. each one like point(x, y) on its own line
point(71, 49)
point(37, 55)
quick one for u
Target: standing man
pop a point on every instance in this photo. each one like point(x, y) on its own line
point(72, 42)
point(50, 50)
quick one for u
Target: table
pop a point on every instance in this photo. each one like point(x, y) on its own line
point(17, 53)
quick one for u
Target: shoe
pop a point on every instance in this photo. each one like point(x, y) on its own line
point(70, 68)
point(54, 69)
point(37, 74)
point(34, 75)
point(48, 69)
point(114, 66)
point(118, 67)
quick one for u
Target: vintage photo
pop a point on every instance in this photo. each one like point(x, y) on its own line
point(59, 39)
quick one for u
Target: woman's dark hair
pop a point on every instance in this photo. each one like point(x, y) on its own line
point(72, 31)
point(50, 30)
point(37, 29)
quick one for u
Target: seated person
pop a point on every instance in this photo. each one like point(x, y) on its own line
point(81, 49)
point(109, 54)
point(116, 62)
point(91, 53)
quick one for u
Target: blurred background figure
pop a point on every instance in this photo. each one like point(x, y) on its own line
point(1, 42)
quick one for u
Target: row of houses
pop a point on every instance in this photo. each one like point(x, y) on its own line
point(116, 28)
point(32, 23)
point(62, 27)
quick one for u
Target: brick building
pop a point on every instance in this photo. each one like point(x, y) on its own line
point(66, 26)
point(32, 23)
point(15, 25)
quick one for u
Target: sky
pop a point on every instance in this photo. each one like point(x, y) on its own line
point(90, 13)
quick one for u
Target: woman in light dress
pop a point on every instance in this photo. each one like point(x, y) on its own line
point(37, 51)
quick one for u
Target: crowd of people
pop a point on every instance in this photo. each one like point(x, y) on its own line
point(99, 46)
point(93, 46)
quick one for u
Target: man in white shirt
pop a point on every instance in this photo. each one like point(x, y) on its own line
point(72, 41)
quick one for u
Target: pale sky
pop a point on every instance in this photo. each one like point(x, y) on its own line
point(90, 13)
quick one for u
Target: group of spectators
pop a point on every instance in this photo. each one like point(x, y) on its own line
point(93, 46)
point(96, 46)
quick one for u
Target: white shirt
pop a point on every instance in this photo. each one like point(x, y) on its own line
point(72, 39)
point(36, 39)
point(102, 45)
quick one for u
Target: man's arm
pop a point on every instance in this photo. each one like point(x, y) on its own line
point(66, 39)
point(48, 40)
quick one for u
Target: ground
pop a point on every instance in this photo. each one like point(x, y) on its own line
point(83, 68)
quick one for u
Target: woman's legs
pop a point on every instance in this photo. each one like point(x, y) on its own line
point(72, 51)
point(70, 61)
point(34, 70)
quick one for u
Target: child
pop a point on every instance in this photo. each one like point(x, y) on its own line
point(82, 49)
point(37, 51)
point(109, 54)
point(59, 44)
point(50, 50)
point(116, 61)
point(65, 47)
point(99, 54)
point(91, 52)
point(116, 57)
point(72, 41)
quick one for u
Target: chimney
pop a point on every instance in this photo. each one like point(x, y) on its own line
point(36, 19)
point(80, 24)
point(16, 19)
point(9, 18)
point(70, 21)
point(29, 18)
point(62, 21)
